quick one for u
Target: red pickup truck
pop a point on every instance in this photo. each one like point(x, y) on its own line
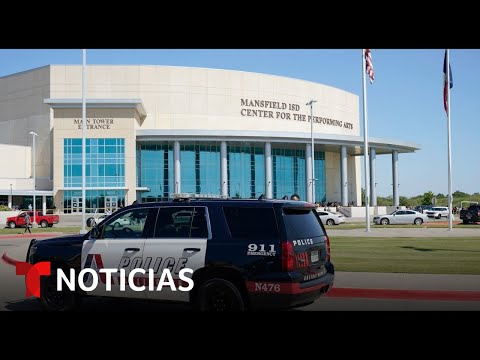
point(42, 220)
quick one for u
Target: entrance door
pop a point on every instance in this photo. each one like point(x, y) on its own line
point(111, 203)
point(76, 204)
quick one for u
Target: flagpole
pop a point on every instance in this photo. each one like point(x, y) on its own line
point(450, 220)
point(365, 151)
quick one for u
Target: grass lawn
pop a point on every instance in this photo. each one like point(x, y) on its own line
point(69, 229)
point(407, 255)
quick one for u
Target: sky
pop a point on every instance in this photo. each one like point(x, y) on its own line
point(405, 102)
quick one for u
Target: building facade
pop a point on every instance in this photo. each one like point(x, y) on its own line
point(154, 131)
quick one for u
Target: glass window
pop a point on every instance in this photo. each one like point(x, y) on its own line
point(246, 170)
point(98, 164)
point(136, 223)
point(301, 224)
point(199, 227)
point(249, 223)
point(174, 222)
point(200, 168)
point(155, 170)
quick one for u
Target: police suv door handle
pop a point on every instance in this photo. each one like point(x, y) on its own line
point(191, 249)
point(132, 249)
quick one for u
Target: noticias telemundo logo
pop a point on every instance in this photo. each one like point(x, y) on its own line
point(88, 279)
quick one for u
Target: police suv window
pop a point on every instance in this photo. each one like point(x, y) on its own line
point(181, 222)
point(136, 223)
point(249, 223)
point(301, 223)
point(199, 224)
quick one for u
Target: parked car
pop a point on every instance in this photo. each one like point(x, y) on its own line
point(244, 254)
point(401, 217)
point(437, 212)
point(330, 218)
point(470, 215)
point(116, 222)
point(423, 208)
point(42, 220)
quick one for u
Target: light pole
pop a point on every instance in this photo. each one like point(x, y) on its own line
point(84, 120)
point(313, 148)
point(11, 197)
point(34, 135)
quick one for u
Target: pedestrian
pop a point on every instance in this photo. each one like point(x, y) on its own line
point(295, 197)
point(28, 223)
point(29, 207)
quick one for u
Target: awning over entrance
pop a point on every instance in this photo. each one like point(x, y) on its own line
point(323, 142)
point(137, 104)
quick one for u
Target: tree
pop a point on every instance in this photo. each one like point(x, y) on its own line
point(404, 201)
point(460, 194)
point(427, 198)
point(440, 195)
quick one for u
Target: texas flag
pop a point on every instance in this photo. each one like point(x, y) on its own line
point(445, 90)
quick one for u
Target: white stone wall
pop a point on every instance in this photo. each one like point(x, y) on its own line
point(198, 98)
point(22, 110)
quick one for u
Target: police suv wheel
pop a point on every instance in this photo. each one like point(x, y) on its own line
point(219, 295)
point(53, 300)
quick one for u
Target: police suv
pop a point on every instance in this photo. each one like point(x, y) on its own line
point(245, 254)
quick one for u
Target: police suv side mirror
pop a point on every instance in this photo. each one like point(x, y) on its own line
point(90, 222)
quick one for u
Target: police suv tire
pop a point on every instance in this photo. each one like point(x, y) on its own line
point(53, 300)
point(219, 295)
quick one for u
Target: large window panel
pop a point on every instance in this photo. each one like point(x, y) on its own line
point(102, 167)
point(246, 170)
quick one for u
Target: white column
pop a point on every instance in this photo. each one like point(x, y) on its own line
point(396, 200)
point(308, 172)
point(10, 201)
point(268, 171)
point(373, 188)
point(44, 204)
point(223, 169)
point(344, 175)
point(176, 170)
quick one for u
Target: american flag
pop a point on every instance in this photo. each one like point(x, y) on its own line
point(445, 90)
point(369, 69)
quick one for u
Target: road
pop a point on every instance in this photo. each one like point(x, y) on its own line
point(353, 291)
